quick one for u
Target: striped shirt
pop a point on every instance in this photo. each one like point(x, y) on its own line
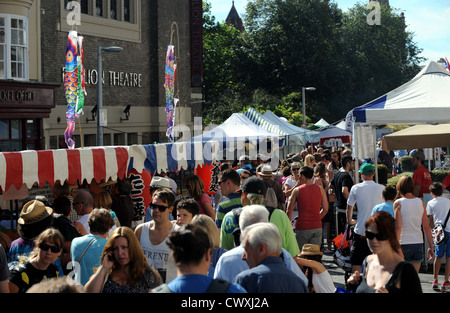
point(233, 201)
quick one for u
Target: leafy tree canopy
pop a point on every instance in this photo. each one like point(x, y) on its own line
point(290, 44)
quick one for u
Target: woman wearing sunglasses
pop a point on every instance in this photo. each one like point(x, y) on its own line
point(39, 266)
point(385, 271)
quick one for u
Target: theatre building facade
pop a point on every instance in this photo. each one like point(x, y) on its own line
point(33, 40)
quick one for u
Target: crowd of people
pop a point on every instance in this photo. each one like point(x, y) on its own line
point(264, 231)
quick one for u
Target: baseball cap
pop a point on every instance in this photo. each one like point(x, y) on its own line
point(418, 154)
point(367, 169)
point(254, 185)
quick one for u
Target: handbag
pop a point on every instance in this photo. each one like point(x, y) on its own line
point(85, 249)
point(438, 232)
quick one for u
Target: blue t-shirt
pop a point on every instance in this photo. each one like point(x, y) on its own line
point(197, 283)
point(385, 206)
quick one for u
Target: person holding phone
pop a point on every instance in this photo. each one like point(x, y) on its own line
point(124, 267)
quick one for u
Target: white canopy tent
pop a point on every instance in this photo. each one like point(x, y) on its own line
point(239, 133)
point(422, 100)
point(321, 123)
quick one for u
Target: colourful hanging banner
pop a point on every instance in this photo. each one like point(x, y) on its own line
point(74, 84)
point(169, 86)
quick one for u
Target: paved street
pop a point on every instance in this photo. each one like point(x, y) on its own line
point(426, 277)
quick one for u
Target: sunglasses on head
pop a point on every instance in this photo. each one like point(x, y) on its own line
point(379, 237)
point(160, 208)
point(45, 247)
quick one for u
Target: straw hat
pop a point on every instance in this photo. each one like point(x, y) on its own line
point(266, 171)
point(34, 211)
point(310, 249)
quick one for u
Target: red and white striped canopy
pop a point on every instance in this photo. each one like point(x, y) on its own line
point(74, 165)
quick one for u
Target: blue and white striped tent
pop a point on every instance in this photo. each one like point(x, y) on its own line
point(295, 135)
point(172, 156)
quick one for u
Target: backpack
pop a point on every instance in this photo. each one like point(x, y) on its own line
point(237, 231)
point(270, 198)
point(217, 286)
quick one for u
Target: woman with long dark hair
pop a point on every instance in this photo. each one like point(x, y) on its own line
point(195, 187)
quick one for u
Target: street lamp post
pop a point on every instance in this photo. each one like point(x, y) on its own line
point(304, 89)
point(100, 89)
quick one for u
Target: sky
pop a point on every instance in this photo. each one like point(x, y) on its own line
point(428, 20)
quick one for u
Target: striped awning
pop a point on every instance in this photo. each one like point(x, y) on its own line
point(263, 122)
point(74, 165)
point(172, 156)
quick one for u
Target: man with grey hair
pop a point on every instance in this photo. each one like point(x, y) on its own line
point(267, 272)
point(230, 264)
point(252, 191)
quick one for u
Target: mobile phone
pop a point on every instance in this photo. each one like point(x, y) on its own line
point(111, 257)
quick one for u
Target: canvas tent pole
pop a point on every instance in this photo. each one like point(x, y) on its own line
point(355, 151)
point(374, 134)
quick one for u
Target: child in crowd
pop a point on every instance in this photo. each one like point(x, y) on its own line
point(389, 193)
point(437, 211)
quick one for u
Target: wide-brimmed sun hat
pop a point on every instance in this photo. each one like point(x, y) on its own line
point(34, 211)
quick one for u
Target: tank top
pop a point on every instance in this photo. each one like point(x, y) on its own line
point(412, 213)
point(309, 202)
point(159, 256)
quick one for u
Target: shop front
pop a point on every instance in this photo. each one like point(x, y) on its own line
point(23, 106)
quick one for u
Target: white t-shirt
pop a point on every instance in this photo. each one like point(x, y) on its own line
point(291, 182)
point(323, 283)
point(412, 213)
point(366, 196)
point(159, 256)
point(84, 221)
point(438, 208)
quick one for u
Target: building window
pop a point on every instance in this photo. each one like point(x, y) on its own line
point(13, 47)
point(132, 139)
point(10, 135)
point(113, 19)
point(119, 139)
point(99, 8)
point(126, 10)
point(120, 10)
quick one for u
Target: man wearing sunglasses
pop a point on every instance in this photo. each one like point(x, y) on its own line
point(229, 182)
point(83, 204)
point(152, 235)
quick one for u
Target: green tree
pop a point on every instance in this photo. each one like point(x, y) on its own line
point(223, 86)
point(290, 44)
point(381, 57)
